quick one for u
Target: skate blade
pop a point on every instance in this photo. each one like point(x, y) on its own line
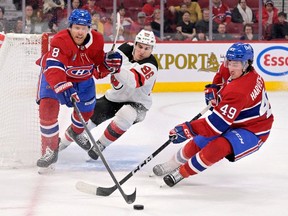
point(90, 160)
point(46, 170)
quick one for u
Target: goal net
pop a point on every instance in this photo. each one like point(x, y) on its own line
point(19, 128)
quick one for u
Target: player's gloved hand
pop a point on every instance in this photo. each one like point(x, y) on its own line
point(113, 61)
point(211, 94)
point(66, 93)
point(100, 74)
point(181, 133)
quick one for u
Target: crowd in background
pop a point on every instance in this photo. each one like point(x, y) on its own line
point(184, 20)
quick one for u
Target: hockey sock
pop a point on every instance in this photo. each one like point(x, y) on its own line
point(111, 133)
point(76, 125)
point(48, 114)
point(190, 149)
point(210, 154)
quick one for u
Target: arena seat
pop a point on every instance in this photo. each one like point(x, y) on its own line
point(234, 28)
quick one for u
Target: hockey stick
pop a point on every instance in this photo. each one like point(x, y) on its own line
point(128, 198)
point(106, 191)
point(117, 30)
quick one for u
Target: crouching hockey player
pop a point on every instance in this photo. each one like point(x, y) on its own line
point(239, 124)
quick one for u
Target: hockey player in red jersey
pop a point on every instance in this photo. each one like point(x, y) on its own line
point(130, 96)
point(239, 124)
point(67, 69)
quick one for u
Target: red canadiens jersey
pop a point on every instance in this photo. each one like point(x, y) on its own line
point(222, 75)
point(243, 104)
point(221, 14)
point(66, 61)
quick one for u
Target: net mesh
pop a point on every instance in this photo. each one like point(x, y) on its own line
point(19, 127)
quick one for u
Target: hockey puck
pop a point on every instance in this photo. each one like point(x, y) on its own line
point(138, 207)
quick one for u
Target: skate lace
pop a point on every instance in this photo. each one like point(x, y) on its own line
point(49, 154)
point(81, 138)
point(162, 169)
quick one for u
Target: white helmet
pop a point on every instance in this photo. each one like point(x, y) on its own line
point(145, 37)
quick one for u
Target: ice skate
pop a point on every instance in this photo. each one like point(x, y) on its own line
point(63, 144)
point(46, 170)
point(81, 139)
point(50, 157)
point(93, 152)
point(165, 168)
point(173, 178)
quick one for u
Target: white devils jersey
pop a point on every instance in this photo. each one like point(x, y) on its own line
point(135, 81)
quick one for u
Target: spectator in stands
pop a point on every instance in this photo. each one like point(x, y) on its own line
point(248, 33)
point(222, 35)
point(120, 35)
point(55, 8)
point(193, 8)
point(38, 27)
point(96, 23)
point(155, 24)
point(149, 8)
point(53, 26)
point(138, 25)
point(243, 13)
point(108, 28)
point(75, 4)
point(3, 21)
point(280, 28)
point(203, 24)
point(200, 36)
point(29, 25)
point(269, 17)
point(18, 28)
point(125, 21)
point(221, 12)
point(179, 13)
point(185, 29)
point(92, 7)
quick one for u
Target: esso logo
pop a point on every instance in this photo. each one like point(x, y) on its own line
point(274, 61)
point(80, 72)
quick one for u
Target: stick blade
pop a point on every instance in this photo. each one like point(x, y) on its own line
point(86, 188)
point(131, 198)
point(102, 191)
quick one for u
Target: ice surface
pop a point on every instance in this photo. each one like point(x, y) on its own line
point(255, 185)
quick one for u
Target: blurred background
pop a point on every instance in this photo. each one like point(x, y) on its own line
point(170, 20)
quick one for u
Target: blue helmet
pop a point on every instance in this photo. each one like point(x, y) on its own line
point(240, 52)
point(80, 17)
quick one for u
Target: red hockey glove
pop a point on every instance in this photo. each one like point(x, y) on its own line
point(181, 133)
point(113, 61)
point(100, 75)
point(211, 94)
point(65, 93)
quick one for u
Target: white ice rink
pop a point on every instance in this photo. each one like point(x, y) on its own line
point(255, 185)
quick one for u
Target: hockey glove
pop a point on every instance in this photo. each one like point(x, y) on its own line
point(113, 61)
point(181, 133)
point(100, 75)
point(211, 94)
point(66, 93)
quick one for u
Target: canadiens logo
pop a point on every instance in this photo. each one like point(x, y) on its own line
point(80, 72)
point(273, 61)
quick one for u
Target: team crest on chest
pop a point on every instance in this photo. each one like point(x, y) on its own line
point(80, 72)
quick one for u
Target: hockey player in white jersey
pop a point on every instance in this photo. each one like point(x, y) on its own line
point(130, 96)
